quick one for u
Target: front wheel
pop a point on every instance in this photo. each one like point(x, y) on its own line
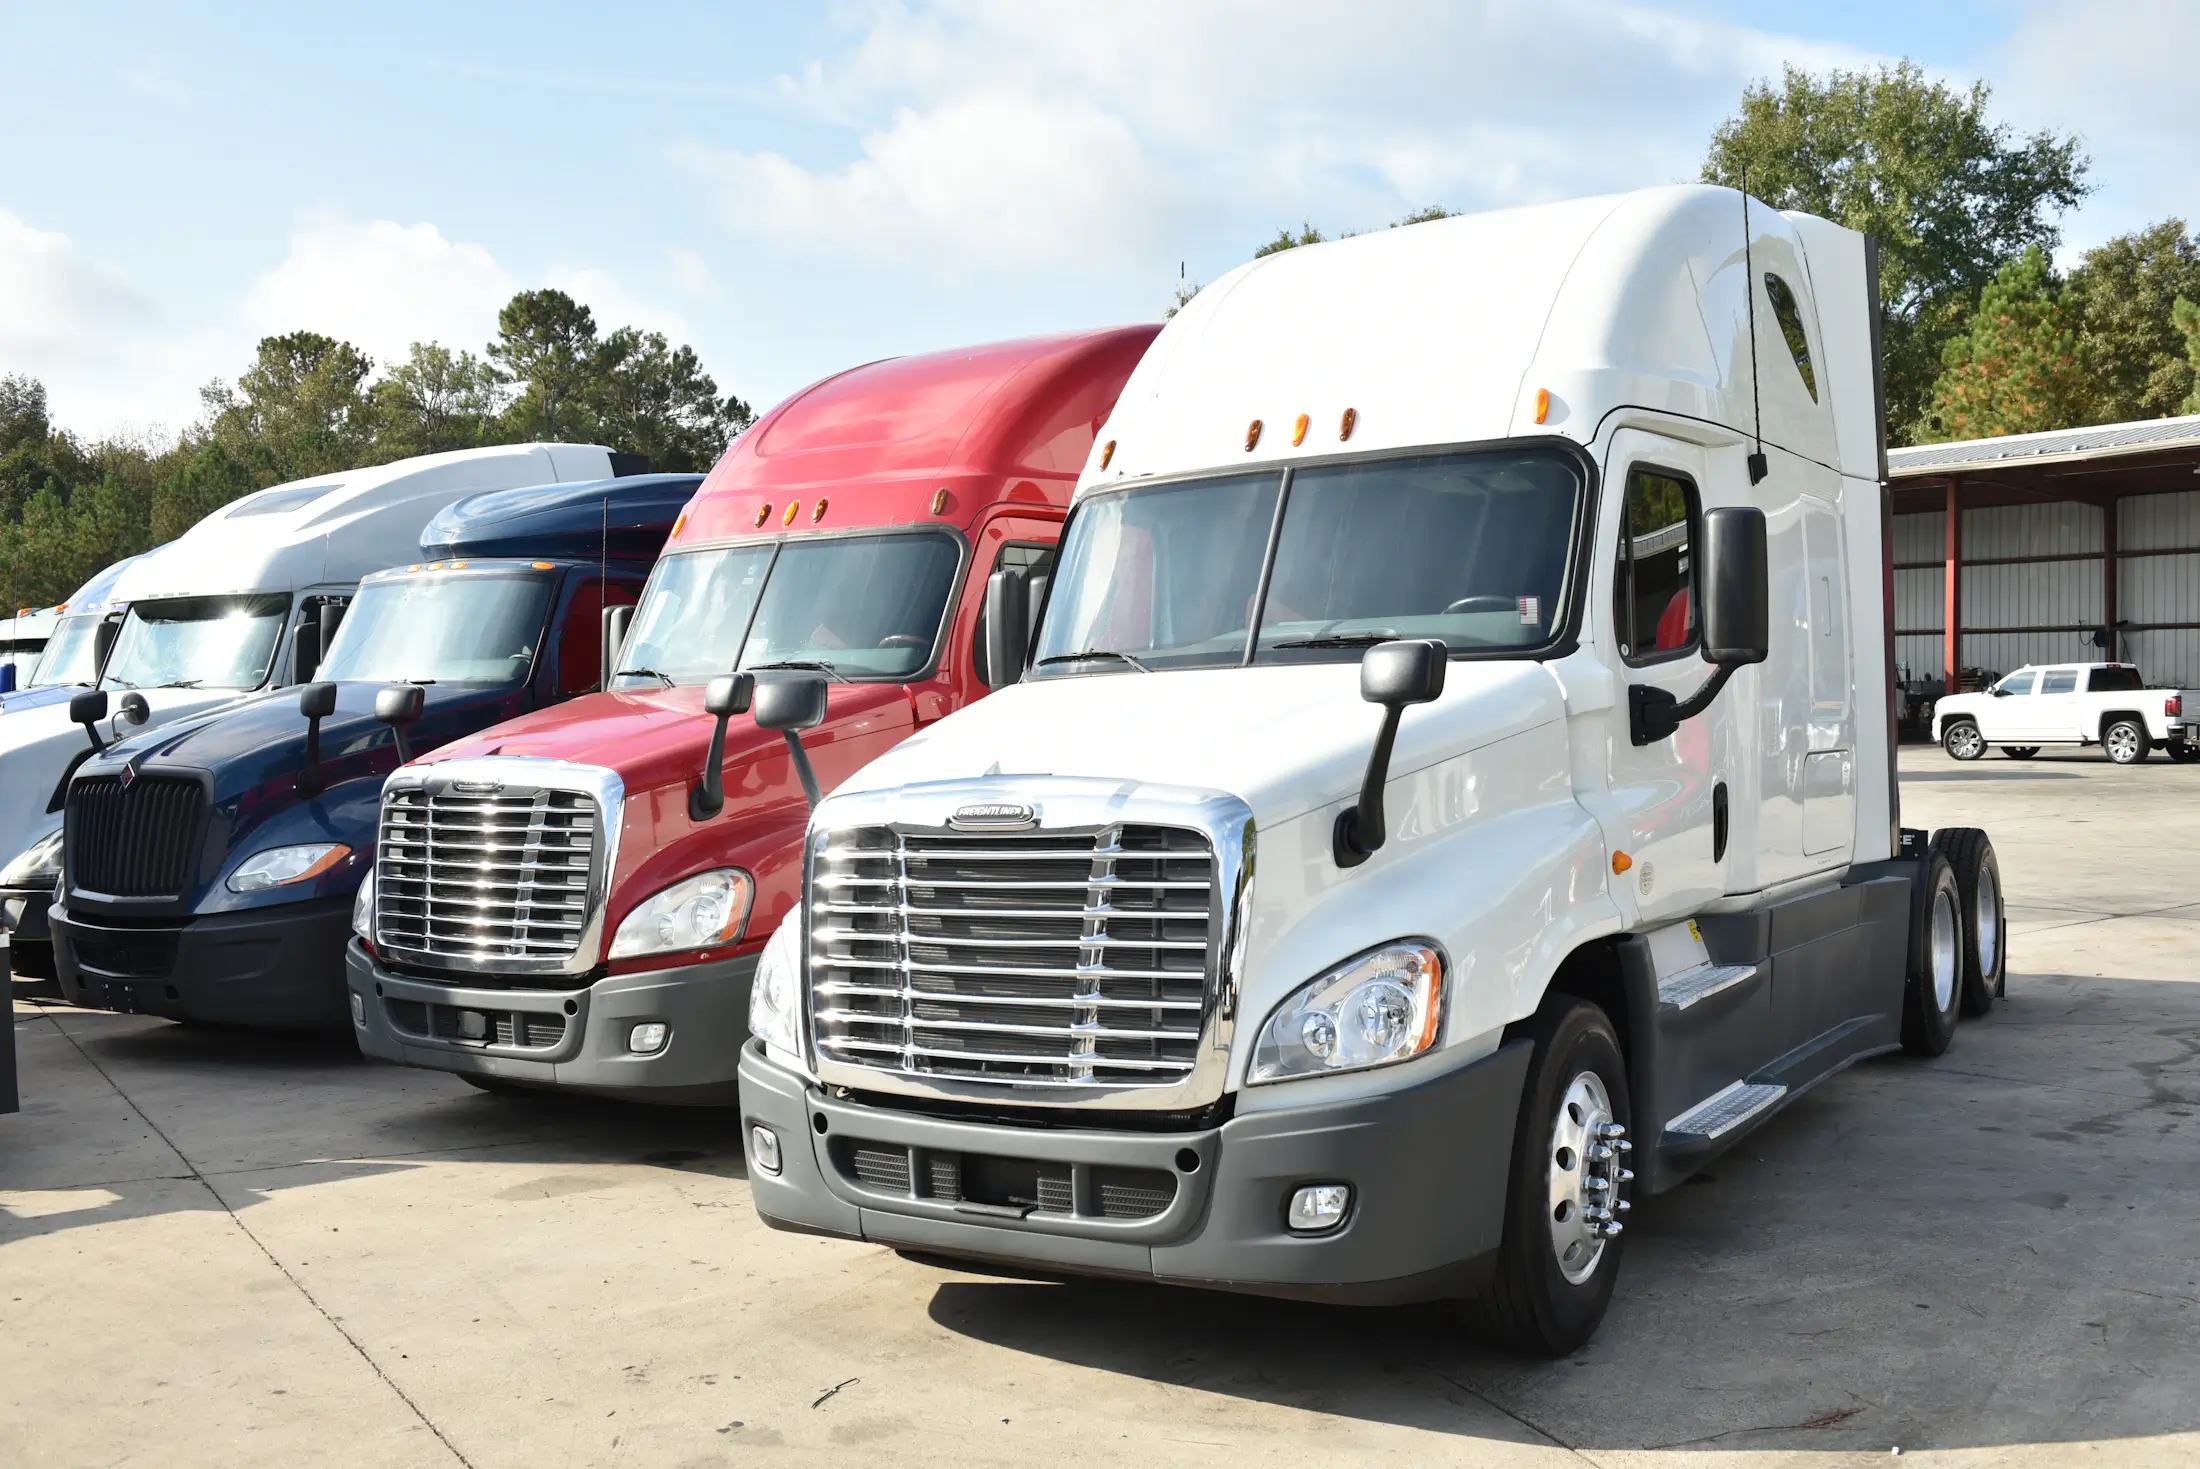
point(1962, 740)
point(1565, 1203)
point(1970, 855)
point(2126, 741)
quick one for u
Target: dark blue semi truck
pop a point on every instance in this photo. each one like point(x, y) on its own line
point(209, 866)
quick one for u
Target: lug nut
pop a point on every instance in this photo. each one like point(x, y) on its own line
point(1596, 1185)
point(1600, 1154)
point(1624, 1146)
point(1613, 1229)
point(1623, 1206)
point(1627, 1175)
point(1612, 1130)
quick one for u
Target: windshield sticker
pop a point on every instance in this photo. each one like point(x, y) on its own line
point(1531, 611)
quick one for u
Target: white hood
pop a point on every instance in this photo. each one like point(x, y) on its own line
point(36, 745)
point(1284, 739)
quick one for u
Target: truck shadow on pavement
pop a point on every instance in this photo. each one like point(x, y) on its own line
point(1991, 1249)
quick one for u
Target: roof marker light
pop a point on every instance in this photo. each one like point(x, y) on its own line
point(1345, 424)
point(819, 513)
point(1298, 431)
point(544, 565)
point(458, 566)
point(939, 501)
point(794, 508)
point(414, 567)
point(763, 513)
point(1252, 435)
point(1107, 452)
point(1542, 404)
point(677, 526)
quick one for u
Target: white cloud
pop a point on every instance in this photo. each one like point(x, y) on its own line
point(56, 305)
point(611, 303)
point(692, 272)
point(381, 286)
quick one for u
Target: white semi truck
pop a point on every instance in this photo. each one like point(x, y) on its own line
point(1450, 794)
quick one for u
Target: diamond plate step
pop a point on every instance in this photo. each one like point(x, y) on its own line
point(1723, 1111)
point(1679, 991)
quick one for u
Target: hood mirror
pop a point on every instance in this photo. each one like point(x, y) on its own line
point(1393, 674)
point(87, 709)
point(316, 701)
point(723, 697)
point(397, 706)
point(790, 706)
point(131, 708)
point(616, 620)
point(1737, 620)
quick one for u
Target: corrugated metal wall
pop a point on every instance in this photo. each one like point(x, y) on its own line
point(2059, 596)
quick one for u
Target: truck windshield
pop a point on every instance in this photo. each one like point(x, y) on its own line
point(863, 607)
point(460, 628)
point(71, 655)
point(197, 643)
point(1473, 548)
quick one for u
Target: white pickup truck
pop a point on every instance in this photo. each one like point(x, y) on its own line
point(2105, 704)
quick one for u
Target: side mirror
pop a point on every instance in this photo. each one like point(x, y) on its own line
point(791, 706)
point(132, 708)
point(316, 701)
point(1737, 620)
point(87, 709)
point(1393, 674)
point(616, 620)
point(397, 706)
point(1007, 627)
point(328, 617)
point(723, 697)
point(103, 643)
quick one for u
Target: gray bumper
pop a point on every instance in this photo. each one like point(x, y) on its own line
point(574, 1040)
point(1428, 1165)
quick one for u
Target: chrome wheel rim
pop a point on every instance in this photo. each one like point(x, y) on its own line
point(1988, 924)
point(2123, 743)
point(1966, 741)
point(1945, 949)
point(1585, 1177)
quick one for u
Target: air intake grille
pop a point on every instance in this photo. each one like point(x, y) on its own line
point(478, 877)
point(1043, 958)
point(136, 841)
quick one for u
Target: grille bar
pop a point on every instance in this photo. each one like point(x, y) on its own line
point(486, 877)
point(1065, 958)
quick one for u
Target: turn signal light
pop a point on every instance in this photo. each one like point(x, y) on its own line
point(794, 508)
point(1252, 435)
point(763, 513)
point(1542, 404)
point(939, 501)
point(1345, 425)
point(819, 513)
point(678, 525)
point(1298, 431)
point(1621, 862)
point(1107, 452)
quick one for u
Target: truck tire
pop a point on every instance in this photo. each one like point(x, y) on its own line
point(1932, 996)
point(1985, 928)
point(2125, 740)
point(1561, 1251)
point(2020, 752)
point(1962, 740)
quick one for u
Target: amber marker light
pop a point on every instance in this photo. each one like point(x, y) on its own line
point(1542, 404)
point(1621, 862)
point(677, 526)
point(544, 565)
point(939, 501)
point(1107, 452)
point(1298, 431)
point(1346, 424)
point(794, 508)
point(1252, 435)
point(763, 513)
point(819, 513)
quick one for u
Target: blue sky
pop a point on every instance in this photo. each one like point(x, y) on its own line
point(794, 189)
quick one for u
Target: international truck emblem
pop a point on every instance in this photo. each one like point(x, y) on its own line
point(129, 775)
point(993, 815)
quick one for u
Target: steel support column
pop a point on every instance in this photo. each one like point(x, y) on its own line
point(1951, 614)
point(2109, 554)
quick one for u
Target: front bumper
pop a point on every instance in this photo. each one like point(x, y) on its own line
point(271, 968)
point(574, 1040)
point(23, 915)
point(1428, 1165)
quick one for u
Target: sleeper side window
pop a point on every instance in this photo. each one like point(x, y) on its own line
point(1654, 595)
point(1788, 312)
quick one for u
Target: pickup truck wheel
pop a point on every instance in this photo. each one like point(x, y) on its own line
point(1963, 741)
point(1985, 932)
point(2126, 741)
point(1932, 995)
point(1565, 1204)
point(2020, 752)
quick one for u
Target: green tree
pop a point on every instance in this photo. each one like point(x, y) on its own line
point(212, 477)
point(1285, 240)
point(651, 398)
point(2019, 365)
point(1950, 196)
point(1423, 216)
point(2185, 316)
point(435, 400)
point(2125, 293)
point(299, 410)
point(546, 346)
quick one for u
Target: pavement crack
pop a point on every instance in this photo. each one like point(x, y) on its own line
point(259, 1244)
point(1495, 1406)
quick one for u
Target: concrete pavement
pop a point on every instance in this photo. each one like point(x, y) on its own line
point(227, 1249)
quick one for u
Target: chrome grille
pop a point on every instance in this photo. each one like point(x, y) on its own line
point(1074, 958)
point(485, 876)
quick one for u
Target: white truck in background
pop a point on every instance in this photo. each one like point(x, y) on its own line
point(2043, 705)
point(1176, 961)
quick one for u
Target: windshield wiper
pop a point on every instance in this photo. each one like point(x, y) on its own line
point(1091, 655)
point(813, 665)
point(1340, 640)
point(181, 683)
point(664, 678)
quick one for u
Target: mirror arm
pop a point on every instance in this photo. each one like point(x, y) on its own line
point(708, 797)
point(309, 779)
point(1360, 829)
point(1653, 714)
point(801, 758)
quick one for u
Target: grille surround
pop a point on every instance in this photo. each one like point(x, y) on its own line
point(1048, 957)
point(136, 841)
point(491, 842)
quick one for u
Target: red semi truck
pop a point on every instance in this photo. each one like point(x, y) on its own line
point(569, 900)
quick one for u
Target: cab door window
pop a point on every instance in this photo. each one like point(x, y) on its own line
point(1654, 591)
point(2016, 683)
point(2060, 681)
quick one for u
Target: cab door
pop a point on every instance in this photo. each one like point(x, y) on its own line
point(1669, 799)
point(2006, 716)
point(2053, 715)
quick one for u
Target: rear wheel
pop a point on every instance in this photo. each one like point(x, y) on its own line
point(2126, 741)
point(1565, 1203)
point(1932, 998)
point(1962, 740)
point(1985, 930)
point(2020, 752)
